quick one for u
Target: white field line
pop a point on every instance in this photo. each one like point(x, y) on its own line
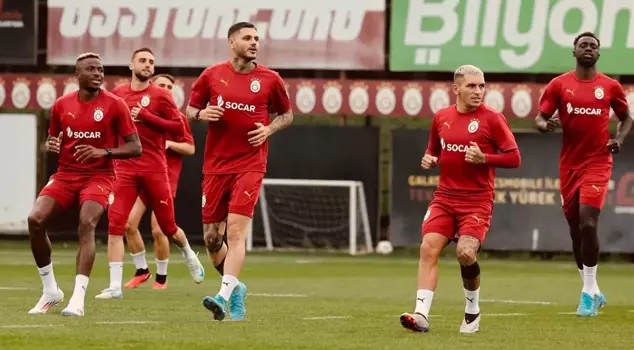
point(16, 326)
point(326, 318)
point(266, 295)
point(527, 302)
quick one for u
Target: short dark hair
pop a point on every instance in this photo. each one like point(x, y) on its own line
point(240, 25)
point(586, 34)
point(143, 49)
point(166, 76)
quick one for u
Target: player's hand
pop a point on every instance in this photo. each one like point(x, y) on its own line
point(87, 152)
point(211, 113)
point(168, 144)
point(54, 144)
point(614, 146)
point(135, 112)
point(474, 155)
point(259, 135)
point(429, 161)
point(550, 125)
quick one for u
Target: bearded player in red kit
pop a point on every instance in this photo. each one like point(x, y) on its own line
point(175, 149)
point(583, 99)
point(235, 98)
point(155, 114)
point(85, 128)
point(468, 140)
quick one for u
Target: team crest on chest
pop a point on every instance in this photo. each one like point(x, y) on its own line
point(98, 114)
point(599, 93)
point(255, 85)
point(473, 126)
point(145, 101)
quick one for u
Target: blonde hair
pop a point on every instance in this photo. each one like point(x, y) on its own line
point(467, 69)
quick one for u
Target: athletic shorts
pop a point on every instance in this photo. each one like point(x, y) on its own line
point(157, 190)
point(67, 189)
point(453, 218)
point(583, 186)
point(173, 178)
point(230, 193)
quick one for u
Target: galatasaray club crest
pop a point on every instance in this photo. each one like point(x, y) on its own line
point(98, 115)
point(255, 85)
point(473, 126)
point(145, 101)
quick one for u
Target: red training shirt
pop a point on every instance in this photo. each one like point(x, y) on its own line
point(160, 104)
point(584, 112)
point(174, 159)
point(247, 98)
point(100, 123)
point(450, 137)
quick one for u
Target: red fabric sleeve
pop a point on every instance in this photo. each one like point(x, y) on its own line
point(549, 102)
point(510, 159)
point(54, 127)
point(434, 146)
point(619, 101)
point(124, 124)
point(201, 93)
point(280, 102)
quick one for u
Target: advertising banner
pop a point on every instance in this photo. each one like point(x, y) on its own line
point(373, 98)
point(508, 35)
point(528, 214)
point(18, 32)
point(310, 34)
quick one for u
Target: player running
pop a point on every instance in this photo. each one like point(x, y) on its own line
point(235, 97)
point(583, 99)
point(175, 149)
point(468, 140)
point(155, 113)
point(85, 128)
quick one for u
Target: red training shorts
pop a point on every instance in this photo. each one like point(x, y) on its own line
point(583, 186)
point(230, 193)
point(65, 189)
point(158, 193)
point(173, 179)
point(453, 218)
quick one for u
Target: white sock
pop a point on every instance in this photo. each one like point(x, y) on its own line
point(581, 274)
point(79, 294)
point(161, 267)
point(116, 274)
point(139, 260)
point(590, 284)
point(228, 284)
point(187, 250)
point(48, 278)
point(424, 298)
point(473, 301)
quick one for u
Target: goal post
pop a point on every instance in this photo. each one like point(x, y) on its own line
point(299, 214)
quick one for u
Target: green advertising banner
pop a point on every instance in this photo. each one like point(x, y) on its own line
point(533, 36)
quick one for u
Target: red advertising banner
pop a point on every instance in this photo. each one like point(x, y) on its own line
point(306, 34)
point(310, 97)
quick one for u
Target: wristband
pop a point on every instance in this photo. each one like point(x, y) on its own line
point(198, 114)
point(108, 153)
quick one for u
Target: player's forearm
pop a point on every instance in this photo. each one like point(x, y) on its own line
point(182, 148)
point(191, 112)
point(174, 127)
point(130, 149)
point(623, 128)
point(511, 159)
point(282, 121)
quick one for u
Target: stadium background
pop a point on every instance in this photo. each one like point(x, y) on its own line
point(363, 100)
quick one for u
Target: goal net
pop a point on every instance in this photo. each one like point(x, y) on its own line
point(305, 215)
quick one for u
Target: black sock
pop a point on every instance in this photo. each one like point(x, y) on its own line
point(161, 279)
point(140, 272)
point(221, 267)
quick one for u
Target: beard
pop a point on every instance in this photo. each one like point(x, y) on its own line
point(586, 63)
point(92, 89)
point(141, 77)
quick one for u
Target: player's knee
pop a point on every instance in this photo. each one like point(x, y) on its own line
point(429, 252)
point(36, 220)
point(466, 256)
point(87, 224)
point(588, 224)
point(157, 233)
point(130, 228)
point(213, 238)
